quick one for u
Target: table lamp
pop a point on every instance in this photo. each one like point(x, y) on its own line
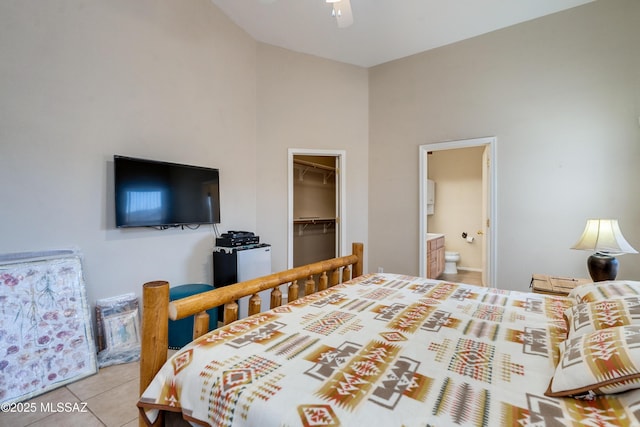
point(603, 236)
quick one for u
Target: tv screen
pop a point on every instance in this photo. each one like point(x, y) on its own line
point(150, 193)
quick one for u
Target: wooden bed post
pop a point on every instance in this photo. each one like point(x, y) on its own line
point(276, 297)
point(323, 282)
point(230, 312)
point(255, 302)
point(335, 277)
point(155, 333)
point(200, 324)
point(292, 293)
point(358, 250)
point(346, 273)
point(309, 286)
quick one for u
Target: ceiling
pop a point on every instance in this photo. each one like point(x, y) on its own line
point(383, 30)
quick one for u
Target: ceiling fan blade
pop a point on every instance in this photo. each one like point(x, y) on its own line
point(342, 12)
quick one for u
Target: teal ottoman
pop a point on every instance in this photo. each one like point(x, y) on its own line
point(181, 331)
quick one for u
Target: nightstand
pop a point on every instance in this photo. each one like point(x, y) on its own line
point(551, 285)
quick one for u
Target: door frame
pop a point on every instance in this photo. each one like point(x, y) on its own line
point(341, 202)
point(491, 230)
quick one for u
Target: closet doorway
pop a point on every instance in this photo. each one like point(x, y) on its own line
point(316, 203)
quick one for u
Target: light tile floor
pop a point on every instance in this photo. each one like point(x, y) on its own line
point(110, 397)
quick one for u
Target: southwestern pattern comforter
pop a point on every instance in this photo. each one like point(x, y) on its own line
point(385, 350)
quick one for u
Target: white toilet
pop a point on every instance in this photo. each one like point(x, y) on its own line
point(450, 261)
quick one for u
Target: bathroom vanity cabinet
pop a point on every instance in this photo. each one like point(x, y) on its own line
point(435, 255)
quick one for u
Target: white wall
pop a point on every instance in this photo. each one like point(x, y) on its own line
point(562, 96)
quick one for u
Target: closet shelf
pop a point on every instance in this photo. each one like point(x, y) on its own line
point(314, 220)
point(303, 223)
point(313, 165)
point(305, 166)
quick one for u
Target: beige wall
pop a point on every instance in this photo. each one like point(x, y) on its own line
point(458, 201)
point(174, 80)
point(170, 80)
point(309, 103)
point(562, 96)
point(82, 81)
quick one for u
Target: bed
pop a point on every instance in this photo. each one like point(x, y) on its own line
point(395, 350)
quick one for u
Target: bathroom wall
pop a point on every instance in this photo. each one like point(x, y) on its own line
point(458, 203)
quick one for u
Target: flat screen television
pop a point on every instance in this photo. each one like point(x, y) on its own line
point(151, 193)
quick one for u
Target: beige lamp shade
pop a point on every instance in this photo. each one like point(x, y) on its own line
point(604, 236)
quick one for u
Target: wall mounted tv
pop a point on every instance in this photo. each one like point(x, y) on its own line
point(158, 194)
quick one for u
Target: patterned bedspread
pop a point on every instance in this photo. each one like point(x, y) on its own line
point(384, 350)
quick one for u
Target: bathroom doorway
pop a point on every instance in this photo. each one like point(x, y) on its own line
point(476, 216)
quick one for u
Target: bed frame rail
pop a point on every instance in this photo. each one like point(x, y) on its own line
point(157, 310)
